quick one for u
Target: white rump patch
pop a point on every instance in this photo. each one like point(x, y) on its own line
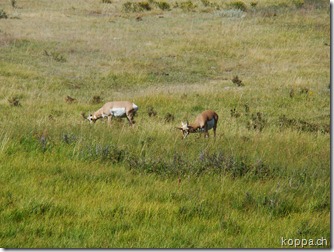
point(135, 107)
point(117, 112)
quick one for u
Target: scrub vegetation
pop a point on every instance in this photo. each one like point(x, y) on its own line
point(263, 66)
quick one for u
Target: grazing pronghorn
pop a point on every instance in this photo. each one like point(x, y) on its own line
point(205, 121)
point(115, 109)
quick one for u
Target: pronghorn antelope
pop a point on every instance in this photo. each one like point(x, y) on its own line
point(115, 109)
point(205, 121)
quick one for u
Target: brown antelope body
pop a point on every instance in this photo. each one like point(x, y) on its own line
point(205, 121)
point(115, 109)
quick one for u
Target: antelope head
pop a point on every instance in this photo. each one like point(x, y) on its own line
point(185, 128)
point(204, 121)
point(90, 118)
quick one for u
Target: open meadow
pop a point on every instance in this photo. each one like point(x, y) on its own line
point(263, 66)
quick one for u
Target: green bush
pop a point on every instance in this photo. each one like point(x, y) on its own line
point(163, 5)
point(136, 7)
point(188, 6)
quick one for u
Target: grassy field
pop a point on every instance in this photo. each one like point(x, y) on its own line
point(263, 66)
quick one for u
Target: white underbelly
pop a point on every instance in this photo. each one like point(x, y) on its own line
point(118, 112)
point(211, 123)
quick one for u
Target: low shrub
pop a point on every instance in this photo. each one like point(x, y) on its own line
point(169, 117)
point(239, 5)
point(216, 163)
point(256, 122)
point(55, 56)
point(207, 3)
point(3, 14)
point(237, 81)
point(163, 5)
point(187, 6)
point(151, 112)
point(14, 101)
point(96, 99)
point(104, 153)
point(300, 125)
point(136, 7)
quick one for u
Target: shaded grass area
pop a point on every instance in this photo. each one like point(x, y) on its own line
point(107, 199)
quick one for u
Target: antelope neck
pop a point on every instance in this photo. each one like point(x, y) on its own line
point(194, 126)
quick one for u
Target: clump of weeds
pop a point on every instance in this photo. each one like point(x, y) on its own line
point(256, 122)
point(96, 99)
point(239, 5)
point(103, 153)
point(247, 109)
point(237, 81)
point(151, 112)
point(136, 6)
point(14, 101)
point(3, 14)
point(69, 138)
point(69, 99)
point(207, 3)
point(253, 4)
point(55, 56)
point(169, 117)
point(161, 5)
point(235, 113)
point(300, 125)
point(186, 6)
point(214, 163)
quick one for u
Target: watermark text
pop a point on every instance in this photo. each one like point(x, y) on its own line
point(303, 242)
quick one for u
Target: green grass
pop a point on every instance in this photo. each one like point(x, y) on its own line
point(69, 184)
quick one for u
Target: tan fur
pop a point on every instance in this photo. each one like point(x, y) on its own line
point(200, 124)
point(104, 111)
